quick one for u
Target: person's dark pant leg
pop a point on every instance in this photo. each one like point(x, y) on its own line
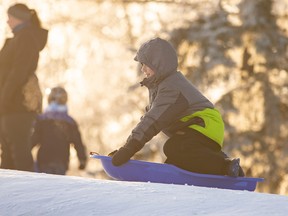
point(7, 161)
point(56, 168)
point(6, 156)
point(16, 131)
point(190, 153)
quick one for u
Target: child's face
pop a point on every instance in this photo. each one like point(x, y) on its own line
point(147, 71)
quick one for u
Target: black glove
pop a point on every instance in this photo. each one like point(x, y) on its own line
point(82, 165)
point(124, 154)
point(112, 153)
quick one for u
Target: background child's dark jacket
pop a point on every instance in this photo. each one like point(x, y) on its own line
point(54, 131)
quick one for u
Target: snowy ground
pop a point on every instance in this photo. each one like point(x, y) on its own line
point(25, 193)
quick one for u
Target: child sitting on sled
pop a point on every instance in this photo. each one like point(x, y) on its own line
point(194, 126)
point(54, 131)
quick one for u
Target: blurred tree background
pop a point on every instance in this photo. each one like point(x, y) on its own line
point(235, 51)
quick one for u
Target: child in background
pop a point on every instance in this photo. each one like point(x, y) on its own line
point(54, 131)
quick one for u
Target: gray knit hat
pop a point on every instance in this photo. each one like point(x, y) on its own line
point(20, 11)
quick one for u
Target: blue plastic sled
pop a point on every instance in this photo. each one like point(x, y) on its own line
point(142, 171)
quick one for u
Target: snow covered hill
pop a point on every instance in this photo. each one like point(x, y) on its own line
point(25, 193)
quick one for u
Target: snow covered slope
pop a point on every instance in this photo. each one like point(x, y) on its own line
point(25, 193)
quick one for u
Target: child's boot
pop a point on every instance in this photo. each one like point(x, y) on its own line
point(233, 167)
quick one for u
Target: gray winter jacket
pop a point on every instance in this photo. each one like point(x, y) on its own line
point(171, 95)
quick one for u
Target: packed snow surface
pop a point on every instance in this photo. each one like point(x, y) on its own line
point(27, 193)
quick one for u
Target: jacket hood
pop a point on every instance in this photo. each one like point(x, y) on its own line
point(40, 35)
point(160, 56)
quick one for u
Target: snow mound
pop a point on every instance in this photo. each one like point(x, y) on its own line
point(27, 193)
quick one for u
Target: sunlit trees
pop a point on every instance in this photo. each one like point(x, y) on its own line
point(235, 51)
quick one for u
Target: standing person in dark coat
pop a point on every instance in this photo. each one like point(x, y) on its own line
point(54, 131)
point(20, 94)
point(194, 126)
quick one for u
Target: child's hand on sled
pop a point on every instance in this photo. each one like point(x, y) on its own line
point(112, 153)
point(124, 154)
